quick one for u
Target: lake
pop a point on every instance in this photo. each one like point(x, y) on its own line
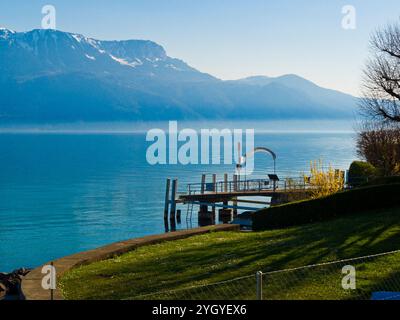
point(74, 188)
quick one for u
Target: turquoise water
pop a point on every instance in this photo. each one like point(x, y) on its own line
point(65, 192)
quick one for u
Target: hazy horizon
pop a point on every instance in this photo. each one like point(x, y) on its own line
point(139, 127)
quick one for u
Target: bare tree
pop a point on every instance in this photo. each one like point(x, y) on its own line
point(381, 86)
point(380, 146)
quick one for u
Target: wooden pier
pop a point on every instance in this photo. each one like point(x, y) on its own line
point(226, 195)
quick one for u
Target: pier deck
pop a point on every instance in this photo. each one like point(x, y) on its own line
point(228, 196)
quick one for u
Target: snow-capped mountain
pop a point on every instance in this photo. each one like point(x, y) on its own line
point(49, 75)
point(51, 52)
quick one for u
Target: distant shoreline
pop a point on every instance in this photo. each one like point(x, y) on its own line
point(140, 127)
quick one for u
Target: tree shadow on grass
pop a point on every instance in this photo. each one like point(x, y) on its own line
point(184, 263)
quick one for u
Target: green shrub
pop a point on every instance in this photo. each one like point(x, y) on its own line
point(361, 172)
point(344, 203)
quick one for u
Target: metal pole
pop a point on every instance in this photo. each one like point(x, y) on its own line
point(203, 183)
point(259, 292)
point(235, 189)
point(235, 182)
point(214, 177)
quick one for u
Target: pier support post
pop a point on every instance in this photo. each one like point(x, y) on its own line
point(225, 215)
point(235, 211)
point(202, 190)
point(206, 217)
point(166, 205)
point(173, 199)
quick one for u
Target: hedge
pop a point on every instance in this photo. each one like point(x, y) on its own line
point(340, 204)
point(383, 180)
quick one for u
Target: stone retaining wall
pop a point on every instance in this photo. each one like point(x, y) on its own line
point(31, 287)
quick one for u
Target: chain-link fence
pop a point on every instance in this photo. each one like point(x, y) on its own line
point(363, 278)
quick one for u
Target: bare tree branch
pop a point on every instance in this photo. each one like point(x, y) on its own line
point(379, 144)
point(381, 85)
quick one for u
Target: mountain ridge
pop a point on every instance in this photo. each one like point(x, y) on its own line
point(55, 76)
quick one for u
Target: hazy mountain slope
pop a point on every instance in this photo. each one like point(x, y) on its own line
point(54, 76)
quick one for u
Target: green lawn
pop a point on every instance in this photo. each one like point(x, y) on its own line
point(221, 256)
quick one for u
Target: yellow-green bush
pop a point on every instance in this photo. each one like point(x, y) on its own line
point(324, 182)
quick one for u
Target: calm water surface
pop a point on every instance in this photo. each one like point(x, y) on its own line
point(62, 193)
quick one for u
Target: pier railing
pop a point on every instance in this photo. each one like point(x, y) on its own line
point(251, 185)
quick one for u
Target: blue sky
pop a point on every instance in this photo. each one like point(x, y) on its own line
point(229, 38)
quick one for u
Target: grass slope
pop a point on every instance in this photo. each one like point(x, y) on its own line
point(222, 256)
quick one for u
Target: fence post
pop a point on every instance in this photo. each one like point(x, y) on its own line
point(259, 276)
